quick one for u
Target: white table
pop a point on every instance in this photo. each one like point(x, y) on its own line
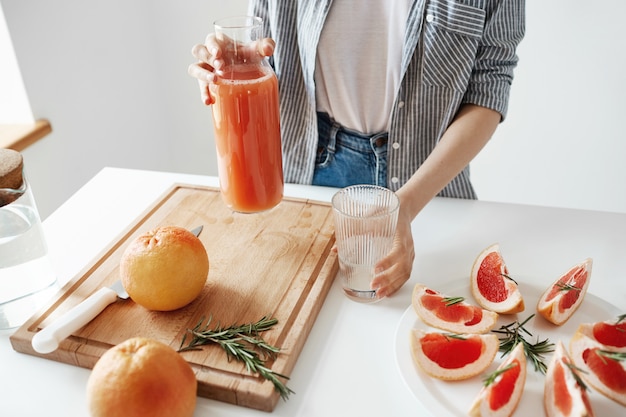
point(348, 365)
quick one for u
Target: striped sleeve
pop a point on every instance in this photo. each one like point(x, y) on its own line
point(496, 58)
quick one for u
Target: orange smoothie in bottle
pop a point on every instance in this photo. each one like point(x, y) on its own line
point(247, 137)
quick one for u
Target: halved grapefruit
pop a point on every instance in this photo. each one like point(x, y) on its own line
point(565, 395)
point(451, 314)
point(564, 296)
point(452, 357)
point(610, 333)
point(604, 369)
point(491, 285)
point(502, 389)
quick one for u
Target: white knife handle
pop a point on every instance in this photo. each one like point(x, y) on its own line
point(47, 340)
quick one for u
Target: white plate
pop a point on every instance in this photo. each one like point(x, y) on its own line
point(453, 399)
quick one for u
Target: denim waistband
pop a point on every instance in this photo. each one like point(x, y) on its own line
point(348, 137)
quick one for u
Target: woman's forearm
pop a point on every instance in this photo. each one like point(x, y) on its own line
point(469, 132)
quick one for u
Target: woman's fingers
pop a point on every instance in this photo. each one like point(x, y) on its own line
point(265, 47)
point(210, 60)
point(395, 269)
point(201, 71)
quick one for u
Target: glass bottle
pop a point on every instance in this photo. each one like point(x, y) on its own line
point(246, 119)
point(26, 276)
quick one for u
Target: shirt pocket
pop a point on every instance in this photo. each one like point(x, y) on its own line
point(452, 34)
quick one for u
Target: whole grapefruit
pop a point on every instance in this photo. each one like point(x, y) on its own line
point(165, 268)
point(141, 377)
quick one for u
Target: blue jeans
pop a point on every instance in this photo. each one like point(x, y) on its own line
point(346, 157)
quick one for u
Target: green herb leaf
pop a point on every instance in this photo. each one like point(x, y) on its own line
point(575, 370)
point(243, 343)
point(492, 377)
point(455, 336)
point(450, 301)
point(563, 286)
point(513, 333)
point(508, 277)
point(616, 356)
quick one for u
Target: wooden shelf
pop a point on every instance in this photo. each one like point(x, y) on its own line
point(19, 136)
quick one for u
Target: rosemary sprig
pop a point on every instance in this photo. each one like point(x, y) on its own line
point(455, 336)
point(513, 333)
point(563, 286)
point(491, 378)
point(575, 370)
point(243, 343)
point(607, 354)
point(450, 301)
point(508, 277)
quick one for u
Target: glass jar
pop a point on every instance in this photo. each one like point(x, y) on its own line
point(246, 119)
point(26, 276)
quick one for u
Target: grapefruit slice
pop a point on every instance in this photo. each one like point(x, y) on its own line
point(564, 395)
point(491, 284)
point(610, 333)
point(564, 296)
point(452, 357)
point(604, 369)
point(451, 314)
point(502, 389)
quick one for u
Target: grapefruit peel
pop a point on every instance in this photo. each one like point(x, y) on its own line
point(452, 357)
point(602, 367)
point(561, 299)
point(503, 389)
point(565, 394)
point(610, 333)
point(451, 314)
point(491, 285)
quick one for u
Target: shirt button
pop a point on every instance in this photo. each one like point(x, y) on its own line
point(395, 180)
point(395, 145)
point(400, 104)
point(430, 18)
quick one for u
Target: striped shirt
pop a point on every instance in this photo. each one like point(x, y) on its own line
point(454, 52)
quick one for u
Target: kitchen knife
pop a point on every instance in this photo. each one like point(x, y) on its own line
point(47, 340)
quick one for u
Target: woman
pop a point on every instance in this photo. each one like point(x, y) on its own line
point(400, 93)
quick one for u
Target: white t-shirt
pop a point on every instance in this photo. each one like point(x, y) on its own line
point(357, 69)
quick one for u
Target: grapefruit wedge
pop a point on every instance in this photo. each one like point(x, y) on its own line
point(610, 333)
point(491, 284)
point(452, 357)
point(565, 395)
point(603, 368)
point(502, 389)
point(564, 296)
point(451, 314)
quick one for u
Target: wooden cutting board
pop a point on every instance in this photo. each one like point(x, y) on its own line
point(277, 263)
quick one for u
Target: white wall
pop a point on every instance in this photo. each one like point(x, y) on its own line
point(111, 76)
point(563, 143)
point(14, 105)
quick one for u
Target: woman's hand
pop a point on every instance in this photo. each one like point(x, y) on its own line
point(209, 56)
point(395, 269)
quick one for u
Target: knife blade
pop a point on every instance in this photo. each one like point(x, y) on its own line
point(47, 340)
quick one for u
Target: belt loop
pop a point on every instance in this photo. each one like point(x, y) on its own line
point(332, 136)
